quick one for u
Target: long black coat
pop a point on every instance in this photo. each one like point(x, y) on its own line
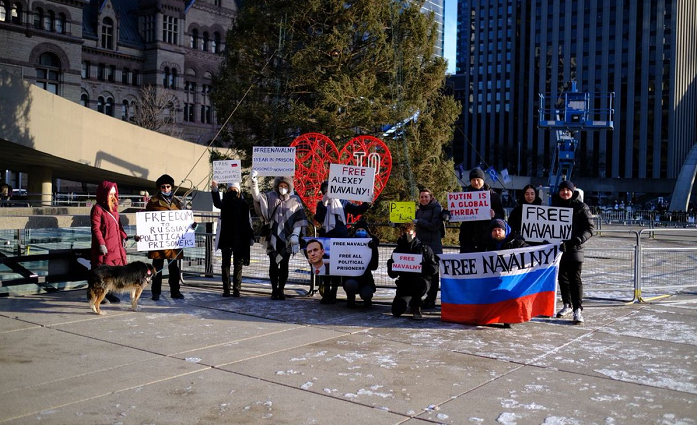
point(235, 224)
point(581, 227)
point(473, 234)
point(429, 225)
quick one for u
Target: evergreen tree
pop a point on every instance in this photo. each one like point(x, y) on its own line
point(341, 68)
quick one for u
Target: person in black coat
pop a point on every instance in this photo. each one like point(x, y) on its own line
point(332, 214)
point(363, 285)
point(236, 234)
point(430, 230)
point(515, 219)
point(570, 284)
point(411, 287)
point(473, 234)
point(502, 237)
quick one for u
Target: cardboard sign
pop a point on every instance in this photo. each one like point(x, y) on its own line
point(544, 223)
point(351, 182)
point(402, 212)
point(341, 257)
point(469, 206)
point(228, 171)
point(273, 161)
point(409, 263)
point(165, 230)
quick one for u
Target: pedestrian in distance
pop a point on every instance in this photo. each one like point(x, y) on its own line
point(473, 234)
point(570, 284)
point(430, 229)
point(236, 235)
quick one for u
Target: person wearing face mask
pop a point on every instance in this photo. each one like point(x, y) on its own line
point(363, 285)
point(108, 235)
point(570, 284)
point(430, 229)
point(164, 200)
point(411, 287)
point(236, 235)
point(284, 212)
point(473, 234)
point(515, 219)
point(332, 214)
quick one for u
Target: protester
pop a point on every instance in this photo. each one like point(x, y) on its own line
point(108, 235)
point(363, 285)
point(515, 219)
point(236, 234)
point(411, 287)
point(332, 214)
point(501, 237)
point(473, 234)
point(165, 200)
point(570, 284)
point(430, 230)
point(283, 212)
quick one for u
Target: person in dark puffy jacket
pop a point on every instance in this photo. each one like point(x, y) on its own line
point(363, 285)
point(430, 230)
point(515, 219)
point(473, 234)
point(502, 237)
point(570, 284)
point(108, 235)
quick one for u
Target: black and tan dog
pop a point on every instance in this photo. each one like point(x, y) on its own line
point(131, 277)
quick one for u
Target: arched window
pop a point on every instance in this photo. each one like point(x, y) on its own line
point(85, 100)
point(48, 20)
point(109, 107)
point(100, 104)
point(204, 45)
point(194, 39)
point(125, 75)
point(48, 72)
point(173, 79)
point(124, 110)
point(3, 12)
point(38, 17)
point(17, 13)
point(216, 42)
point(165, 78)
point(107, 34)
point(60, 23)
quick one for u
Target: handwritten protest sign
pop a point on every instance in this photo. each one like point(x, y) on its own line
point(165, 230)
point(409, 263)
point(228, 171)
point(402, 212)
point(341, 256)
point(273, 161)
point(545, 223)
point(469, 206)
point(351, 182)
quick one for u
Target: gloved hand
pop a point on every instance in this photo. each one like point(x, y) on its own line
point(136, 238)
point(294, 244)
point(103, 250)
point(194, 225)
point(372, 244)
point(214, 186)
point(415, 221)
point(562, 246)
point(445, 215)
point(254, 174)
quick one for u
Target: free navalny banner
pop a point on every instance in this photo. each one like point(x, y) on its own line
point(509, 286)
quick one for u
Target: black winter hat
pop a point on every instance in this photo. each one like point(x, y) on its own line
point(497, 223)
point(164, 179)
point(360, 224)
point(566, 184)
point(477, 173)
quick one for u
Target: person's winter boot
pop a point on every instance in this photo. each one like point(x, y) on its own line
point(351, 300)
point(226, 281)
point(281, 295)
point(274, 290)
point(578, 317)
point(236, 286)
point(417, 313)
point(564, 311)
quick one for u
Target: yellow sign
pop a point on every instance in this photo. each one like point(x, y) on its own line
point(402, 212)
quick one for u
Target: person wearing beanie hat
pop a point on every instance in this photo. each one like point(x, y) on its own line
point(236, 235)
point(570, 284)
point(164, 200)
point(501, 237)
point(474, 234)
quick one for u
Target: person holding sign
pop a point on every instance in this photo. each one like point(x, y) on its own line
point(430, 229)
point(473, 234)
point(236, 235)
point(332, 214)
point(363, 285)
point(164, 200)
point(515, 219)
point(108, 235)
point(412, 280)
point(570, 284)
point(283, 211)
point(316, 257)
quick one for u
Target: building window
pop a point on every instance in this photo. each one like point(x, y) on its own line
point(3, 12)
point(173, 79)
point(165, 78)
point(48, 20)
point(125, 74)
point(194, 39)
point(134, 79)
point(216, 42)
point(85, 100)
point(101, 71)
point(124, 110)
point(218, 2)
point(204, 44)
point(60, 23)
point(148, 28)
point(109, 106)
point(188, 112)
point(205, 114)
point(108, 34)
point(38, 17)
point(100, 104)
point(85, 73)
point(17, 13)
point(110, 73)
point(170, 29)
point(48, 72)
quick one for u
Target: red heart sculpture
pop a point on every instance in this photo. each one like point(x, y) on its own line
point(314, 152)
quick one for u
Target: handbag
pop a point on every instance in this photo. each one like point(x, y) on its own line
point(265, 230)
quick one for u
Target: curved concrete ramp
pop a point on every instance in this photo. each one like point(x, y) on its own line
point(686, 179)
point(47, 136)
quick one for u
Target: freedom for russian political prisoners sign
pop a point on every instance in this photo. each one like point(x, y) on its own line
point(349, 256)
point(509, 286)
point(228, 171)
point(169, 229)
point(469, 206)
point(273, 161)
point(408, 263)
point(544, 223)
point(402, 212)
point(351, 182)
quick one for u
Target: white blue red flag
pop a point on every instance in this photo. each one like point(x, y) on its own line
point(509, 286)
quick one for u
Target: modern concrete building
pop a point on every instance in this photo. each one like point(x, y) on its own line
point(508, 51)
point(438, 9)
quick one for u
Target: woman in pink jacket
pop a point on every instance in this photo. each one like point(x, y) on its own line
point(107, 232)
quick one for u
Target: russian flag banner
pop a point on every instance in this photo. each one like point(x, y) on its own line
point(509, 286)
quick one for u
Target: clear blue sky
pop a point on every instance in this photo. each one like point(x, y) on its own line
point(450, 33)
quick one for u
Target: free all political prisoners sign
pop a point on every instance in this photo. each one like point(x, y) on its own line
point(543, 223)
point(510, 286)
point(228, 171)
point(165, 230)
point(273, 161)
point(351, 182)
point(349, 257)
point(469, 206)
